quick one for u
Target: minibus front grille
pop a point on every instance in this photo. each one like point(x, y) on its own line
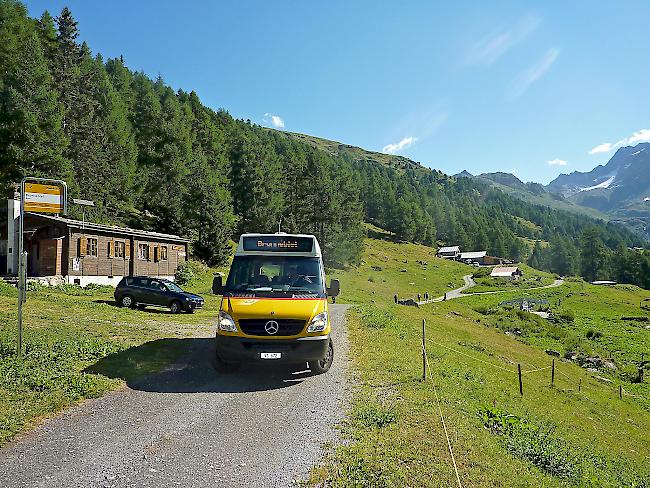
point(258, 327)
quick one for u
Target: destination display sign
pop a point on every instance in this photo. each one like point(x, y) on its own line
point(43, 198)
point(279, 244)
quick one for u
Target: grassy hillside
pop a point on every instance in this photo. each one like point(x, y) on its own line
point(401, 163)
point(544, 198)
point(356, 153)
point(68, 329)
point(550, 436)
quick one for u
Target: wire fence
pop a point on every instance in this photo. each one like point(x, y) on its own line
point(553, 367)
point(427, 375)
point(442, 417)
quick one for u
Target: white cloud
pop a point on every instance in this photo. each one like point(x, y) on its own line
point(490, 48)
point(404, 143)
point(602, 148)
point(642, 135)
point(557, 162)
point(526, 78)
point(274, 120)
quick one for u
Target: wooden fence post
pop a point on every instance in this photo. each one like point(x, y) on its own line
point(424, 350)
point(620, 391)
point(553, 372)
point(521, 385)
point(579, 385)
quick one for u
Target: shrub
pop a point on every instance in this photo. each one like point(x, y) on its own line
point(34, 286)
point(631, 373)
point(566, 315)
point(571, 344)
point(594, 334)
point(523, 315)
point(72, 290)
point(483, 310)
point(184, 274)
point(99, 288)
point(7, 290)
point(532, 442)
point(482, 272)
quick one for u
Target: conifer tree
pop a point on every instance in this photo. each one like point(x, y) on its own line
point(32, 142)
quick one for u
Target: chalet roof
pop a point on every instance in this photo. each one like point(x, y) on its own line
point(90, 226)
point(499, 271)
point(449, 249)
point(473, 255)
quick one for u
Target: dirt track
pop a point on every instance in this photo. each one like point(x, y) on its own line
point(190, 426)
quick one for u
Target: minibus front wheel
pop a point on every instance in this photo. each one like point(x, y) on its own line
point(323, 365)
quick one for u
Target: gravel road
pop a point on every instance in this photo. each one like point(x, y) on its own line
point(190, 426)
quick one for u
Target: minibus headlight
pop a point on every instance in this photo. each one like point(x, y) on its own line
point(318, 323)
point(226, 323)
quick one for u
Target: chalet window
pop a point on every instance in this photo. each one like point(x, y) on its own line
point(91, 247)
point(143, 252)
point(118, 249)
point(163, 253)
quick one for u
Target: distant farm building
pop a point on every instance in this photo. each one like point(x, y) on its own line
point(603, 283)
point(509, 272)
point(470, 257)
point(450, 252)
point(473, 257)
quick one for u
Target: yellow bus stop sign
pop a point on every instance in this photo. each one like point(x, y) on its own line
point(43, 198)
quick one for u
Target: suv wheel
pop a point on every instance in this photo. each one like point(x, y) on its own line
point(323, 365)
point(127, 301)
point(176, 307)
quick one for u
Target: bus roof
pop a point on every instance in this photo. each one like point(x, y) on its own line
point(279, 244)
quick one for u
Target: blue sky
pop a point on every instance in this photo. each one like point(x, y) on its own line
point(482, 86)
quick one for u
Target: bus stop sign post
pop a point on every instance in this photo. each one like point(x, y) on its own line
point(40, 195)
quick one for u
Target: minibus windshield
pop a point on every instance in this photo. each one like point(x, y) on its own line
point(275, 274)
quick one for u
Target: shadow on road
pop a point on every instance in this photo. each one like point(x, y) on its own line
point(187, 366)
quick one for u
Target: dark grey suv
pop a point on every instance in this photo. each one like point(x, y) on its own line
point(140, 291)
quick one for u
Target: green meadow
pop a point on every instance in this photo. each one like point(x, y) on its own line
point(67, 330)
point(574, 432)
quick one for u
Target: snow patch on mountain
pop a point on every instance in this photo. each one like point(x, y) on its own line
point(604, 184)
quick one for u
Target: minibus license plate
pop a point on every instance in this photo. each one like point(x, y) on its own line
point(270, 355)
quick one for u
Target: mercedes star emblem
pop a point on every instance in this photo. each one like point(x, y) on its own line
point(272, 327)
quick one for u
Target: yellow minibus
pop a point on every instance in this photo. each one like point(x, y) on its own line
point(274, 306)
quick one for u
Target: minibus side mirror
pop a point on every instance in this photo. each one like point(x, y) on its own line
point(334, 289)
point(217, 285)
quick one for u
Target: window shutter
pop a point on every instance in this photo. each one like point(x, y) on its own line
point(127, 250)
point(150, 252)
point(83, 246)
point(111, 249)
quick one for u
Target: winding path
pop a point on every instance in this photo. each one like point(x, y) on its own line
point(469, 283)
